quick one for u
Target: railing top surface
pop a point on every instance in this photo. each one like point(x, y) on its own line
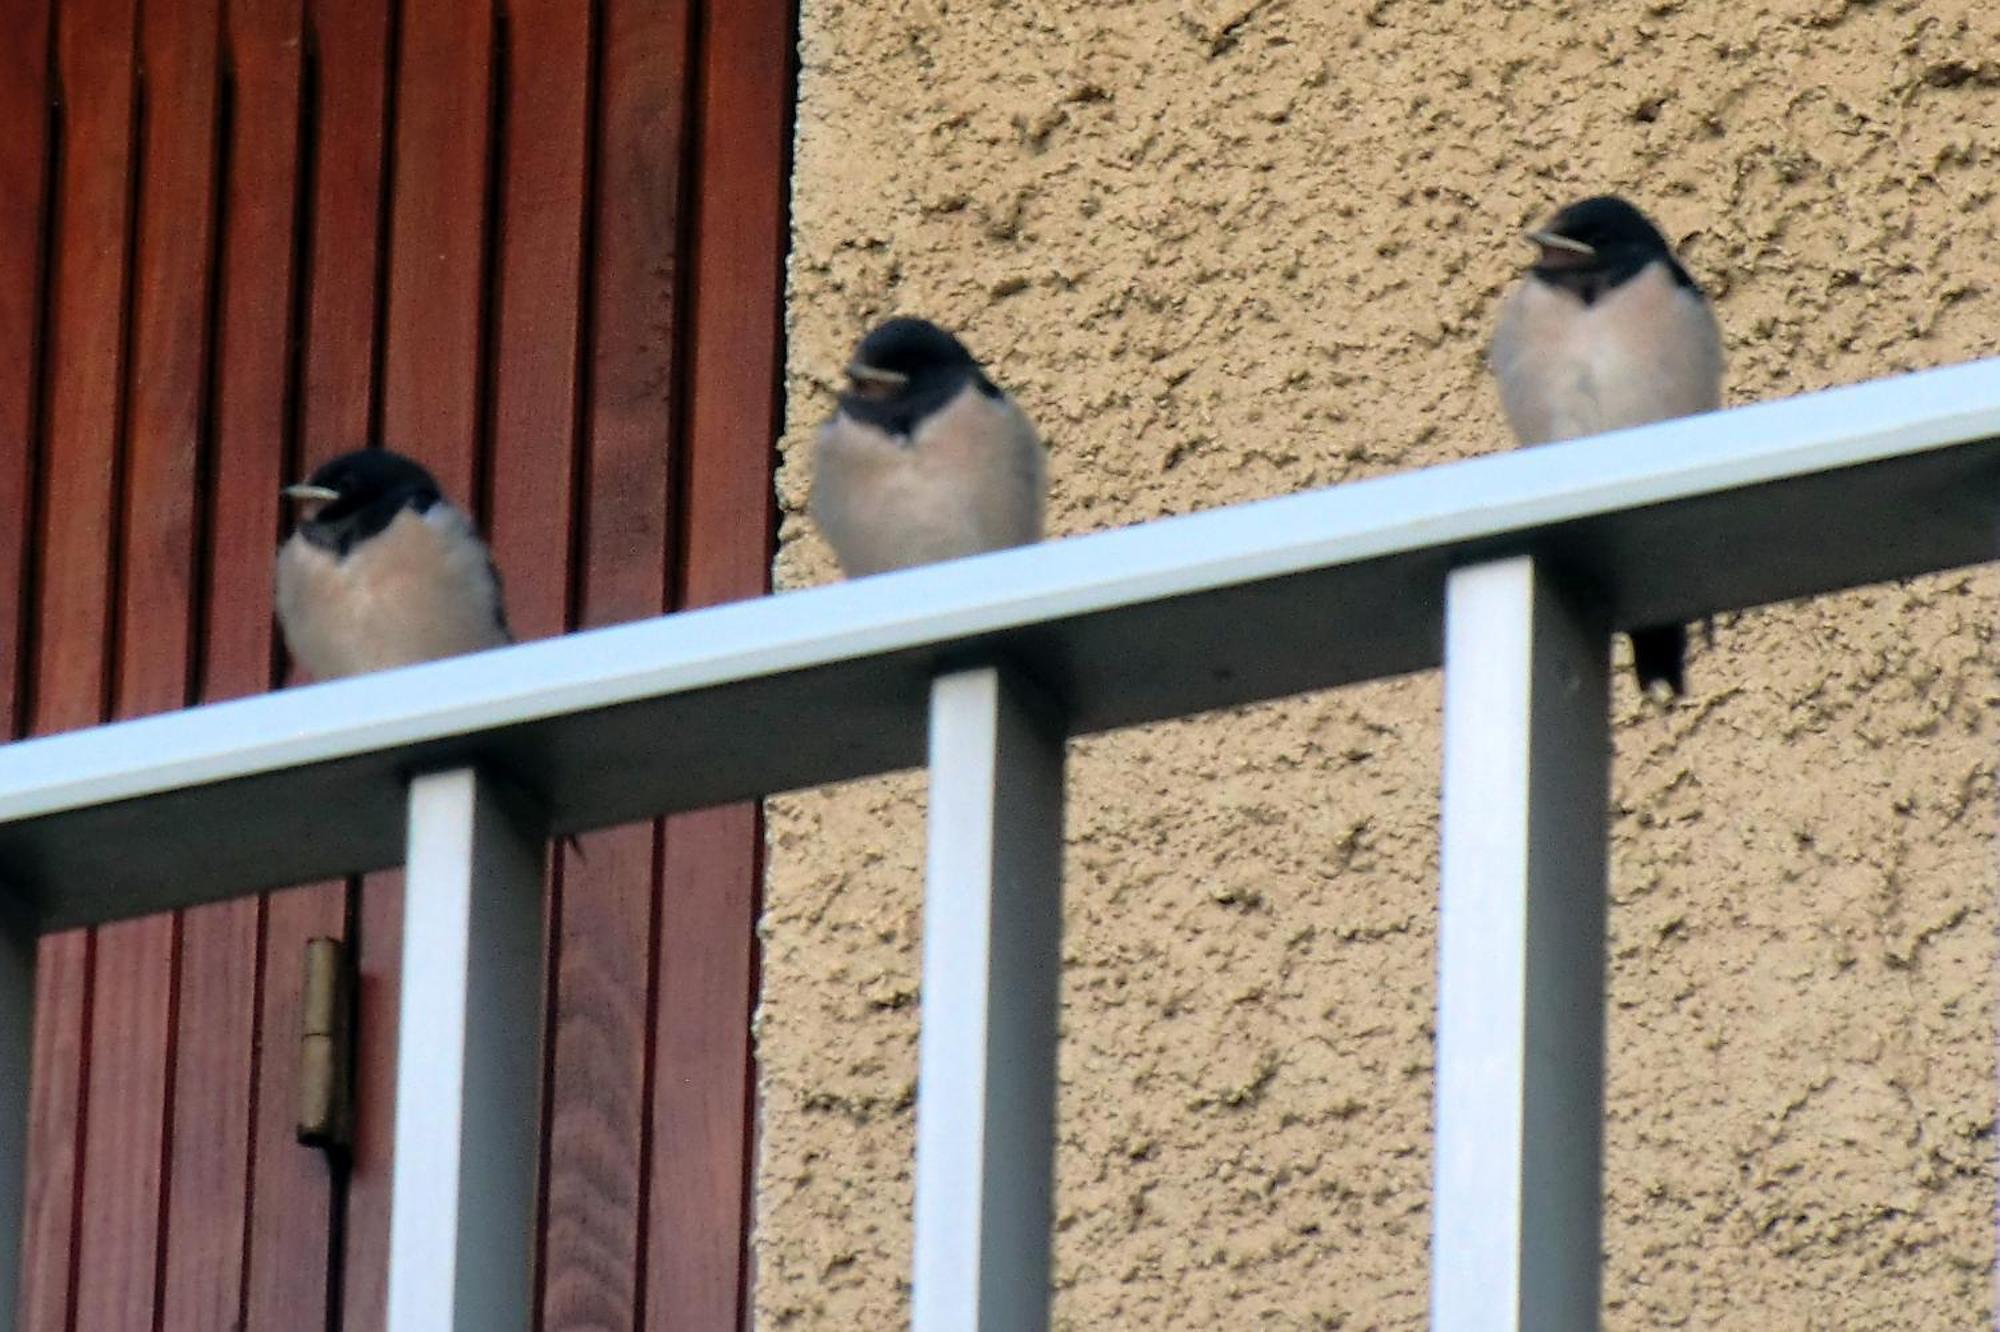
point(1213, 609)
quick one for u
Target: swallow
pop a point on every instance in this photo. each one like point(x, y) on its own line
point(382, 571)
point(1607, 330)
point(925, 458)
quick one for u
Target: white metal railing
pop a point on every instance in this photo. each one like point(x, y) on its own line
point(1510, 570)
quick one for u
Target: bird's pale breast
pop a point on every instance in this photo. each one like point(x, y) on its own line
point(1647, 350)
point(421, 588)
point(970, 479)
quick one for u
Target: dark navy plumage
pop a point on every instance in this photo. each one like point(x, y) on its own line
point(1605, 331)
point(382, 571)
point(925, 459)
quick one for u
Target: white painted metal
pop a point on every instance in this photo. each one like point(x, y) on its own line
point(17, 1042)
point(1520, 1045)
point(1673, 521)
point(986, 1096)
point(462, 1203)
point(1228, 606)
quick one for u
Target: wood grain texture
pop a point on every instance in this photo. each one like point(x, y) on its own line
point(350, 45)
point(27, 197)
point(95, 72)
point(738, 347)
point(131, 1028)
point(209, 1186)
point(539, 246)
point(432, 408)
point(351, 50)
point(289, 1281)
point(432, 376)
point(258, 306)
point(27, 107)
point(376, 915)
point(214, 1225)
point(62, 1018)
point(126, 1123)
point(537, 307)
point(594, 1192)
point(86, 371)
point(704, 1085)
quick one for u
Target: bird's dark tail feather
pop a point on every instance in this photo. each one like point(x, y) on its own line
point(1659, 655)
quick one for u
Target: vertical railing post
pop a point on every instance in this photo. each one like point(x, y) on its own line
point(986, 1087)
point(1520, 1046)
point(18, 940)
point(462, 1203)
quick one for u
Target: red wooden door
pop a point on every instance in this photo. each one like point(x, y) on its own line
point(537, 244)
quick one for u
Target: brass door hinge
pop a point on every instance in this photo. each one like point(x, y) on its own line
point(326, 1062)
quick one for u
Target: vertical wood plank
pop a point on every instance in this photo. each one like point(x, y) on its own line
point(545, 163)
point(704, 1084)
point(346, 102)
point(597, 1149)
point(432, 376)
point(85, 402)
point(27, 107)
point(742, 231)
point(223, 1249)
point(95, 62)
point(208, 1142)
point(376, 916)
point(431, 408)
point(55, 1098)
point(351, 45)
point(27, 200)
point(537, 316)
point(120, 1231)
point(254, 346)
point(291, 1233)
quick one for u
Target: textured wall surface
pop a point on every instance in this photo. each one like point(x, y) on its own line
point(1229, 250)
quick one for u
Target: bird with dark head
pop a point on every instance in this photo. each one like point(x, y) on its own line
point(925, 458)
point(1605, 331)
point(382, 571)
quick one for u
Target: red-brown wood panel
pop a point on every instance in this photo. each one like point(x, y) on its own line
point(95, 72)
point(208, 1197)
point(704, 1080)
point(594, 1187)
point(546, 52)
point(289, 1228)
point(431, 408)
point(225, 1156)
point(125, 1145)
point(285, 1222)
point(432, 376)
point(536, 244)
point(27, 192)
point(350, 47)
point(537, 306)
point(350, 55)
point(28, 110)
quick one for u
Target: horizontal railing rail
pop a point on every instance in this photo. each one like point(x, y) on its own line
point(1165, 619)
point(992, 662)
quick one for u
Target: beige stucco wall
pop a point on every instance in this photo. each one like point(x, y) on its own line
point(1229, 250)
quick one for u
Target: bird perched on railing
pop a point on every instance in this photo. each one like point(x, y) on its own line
point(925, 459)
point(1605, 331)
point(383, 571)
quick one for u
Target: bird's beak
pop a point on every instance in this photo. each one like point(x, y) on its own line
point(304, 491)
point(875, 375)
point(1560, 251)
